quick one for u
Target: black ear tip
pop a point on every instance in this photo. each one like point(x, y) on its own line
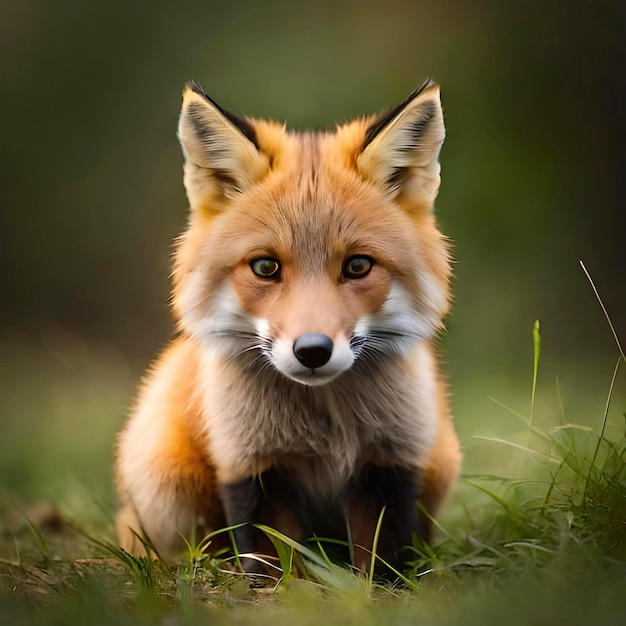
point(239, 122)
point(195, 87)
point(429, 83)
point(383, 120)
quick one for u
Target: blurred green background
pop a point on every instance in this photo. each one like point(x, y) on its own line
point(92, 195)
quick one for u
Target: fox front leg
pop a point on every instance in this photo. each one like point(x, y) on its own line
point(396, 489)
point(244, 505)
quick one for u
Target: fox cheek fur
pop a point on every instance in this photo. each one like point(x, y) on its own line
point(303, 389)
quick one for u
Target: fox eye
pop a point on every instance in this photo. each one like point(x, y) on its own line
point(357, 266)
point(265, 268)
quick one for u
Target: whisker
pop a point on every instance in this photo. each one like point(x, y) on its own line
point(380, 342)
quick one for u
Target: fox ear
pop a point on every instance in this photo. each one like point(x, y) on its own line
point(220, 149)
point(401, 147)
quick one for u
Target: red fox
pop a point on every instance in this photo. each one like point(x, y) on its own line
point(303, 390)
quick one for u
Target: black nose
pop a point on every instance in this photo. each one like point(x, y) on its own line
point(313, 349)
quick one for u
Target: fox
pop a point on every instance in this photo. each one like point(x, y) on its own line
point(302, 390)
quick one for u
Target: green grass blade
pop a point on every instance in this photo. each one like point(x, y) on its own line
point(536, 353)
point(501, 501)
point(530, 451)
point(568, 426)
point(536, 431)
point(552, 485)
point(320, 547)
point(285, 558)
point(407, 581)
point(298, 547)
point(370, 577)
point(435, 523)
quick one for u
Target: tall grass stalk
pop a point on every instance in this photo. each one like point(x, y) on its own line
point(601, 437)
point(606, 313)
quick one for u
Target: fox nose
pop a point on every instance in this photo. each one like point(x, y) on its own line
point(313, 349)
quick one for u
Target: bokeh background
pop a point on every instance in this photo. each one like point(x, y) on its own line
point(91, 195)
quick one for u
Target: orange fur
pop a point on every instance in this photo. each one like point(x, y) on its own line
point(228, 400)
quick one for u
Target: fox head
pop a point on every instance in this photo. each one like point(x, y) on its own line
point(317, 253)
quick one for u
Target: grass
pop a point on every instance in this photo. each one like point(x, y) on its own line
point(542, 540)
